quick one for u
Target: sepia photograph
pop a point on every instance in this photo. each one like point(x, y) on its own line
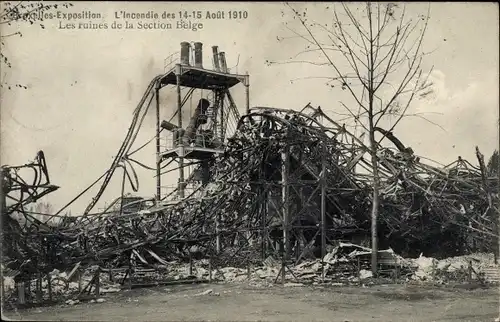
point(249, 161)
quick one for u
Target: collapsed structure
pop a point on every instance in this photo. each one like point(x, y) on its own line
point(285, 183)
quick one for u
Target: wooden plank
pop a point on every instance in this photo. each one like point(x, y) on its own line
point(98, 282)
point(73, 271)
point(21, 288)
point(158, 258)
point(140, 257)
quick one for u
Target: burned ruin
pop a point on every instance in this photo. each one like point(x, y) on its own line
point(287, 184)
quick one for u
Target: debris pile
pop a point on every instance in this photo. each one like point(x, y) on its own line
point(457, 269)
point(286, 186)
point(62, 286)
point(347, 263)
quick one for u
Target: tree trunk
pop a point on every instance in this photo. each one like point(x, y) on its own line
point(375, 207)
point(373, 145)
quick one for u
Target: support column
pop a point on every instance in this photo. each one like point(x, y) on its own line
point(123, 190)
point(217, 232)
point(179, 123)
point(323, 209)
point(39, 292)
point(158, 163)
point(21, 293)
point(98, 282)
point(247, 93)
point(265, 209)
point(220, 107)
point(285, 196)
point(49, 286)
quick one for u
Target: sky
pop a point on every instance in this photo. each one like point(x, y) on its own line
point(83, 85)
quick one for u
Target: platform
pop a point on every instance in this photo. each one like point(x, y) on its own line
point(200, 78)
point(191, 153)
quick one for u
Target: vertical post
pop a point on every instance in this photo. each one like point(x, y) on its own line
point(28, 291)
point(123, 190)
point(49, 286)
point(247, 93)
point(264, 223)
point(300, 245)
point(217, 233)
point(323, 209)
point(98, 281)
point(495, 250)
point(359, 265)
point(158, 149)
point(190, 263)
point(21, 288)
point(130, 278)
point(283, 262)
point(39, 294)
point(210, 269)
point(284, 181)
point(221, 113)
point(79, 272)
point(179, 121)
point(130, 270)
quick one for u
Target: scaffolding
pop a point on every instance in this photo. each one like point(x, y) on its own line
point(196, 144)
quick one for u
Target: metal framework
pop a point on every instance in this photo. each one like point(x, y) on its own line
point(283, 186)
point(285, 183)
point(288, 202)
point(204, 136)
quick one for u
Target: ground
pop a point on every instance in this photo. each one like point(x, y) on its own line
point(278, 303)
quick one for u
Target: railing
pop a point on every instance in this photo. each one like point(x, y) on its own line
point(200, 140)
point(170, 61)
point(166, 142)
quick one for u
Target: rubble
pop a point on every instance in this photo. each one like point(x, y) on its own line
point(425, 267)
point(236, 220)
point(72, 302)
point(340, 268)
point(61, 286)
point(458, 269)
point(364, 274)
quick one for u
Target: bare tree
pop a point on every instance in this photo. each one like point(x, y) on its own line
point(13, 14)
point(375, 54)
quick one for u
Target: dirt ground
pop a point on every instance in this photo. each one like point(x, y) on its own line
point(278, 303)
